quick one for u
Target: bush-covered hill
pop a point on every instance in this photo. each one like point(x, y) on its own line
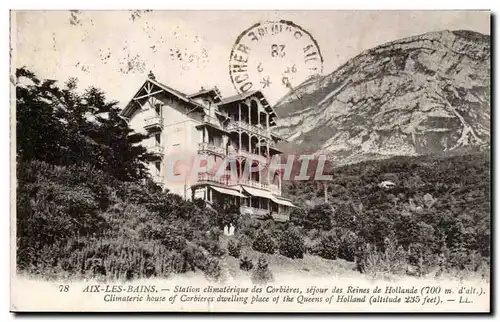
point(437, 212)
point(78, 221)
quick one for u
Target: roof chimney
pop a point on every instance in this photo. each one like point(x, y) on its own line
point(151, 75)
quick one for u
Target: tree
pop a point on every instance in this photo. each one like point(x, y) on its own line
point(292, 243)
point(297, 216)
point(225, 213)
point(60, 126)
point(263, 242)
point(262, 274)
point(319, 217)
point(38, 131)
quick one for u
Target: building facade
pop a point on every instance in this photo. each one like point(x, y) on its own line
point(212, 148)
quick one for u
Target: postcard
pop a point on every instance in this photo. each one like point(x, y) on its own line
point(250, 161)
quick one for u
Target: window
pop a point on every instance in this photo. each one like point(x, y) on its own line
point(276, 178)
point(264, 203)
point(157, 167)
point(254, 202)
point(158, 109)
point(157, 138)
point(178, 168)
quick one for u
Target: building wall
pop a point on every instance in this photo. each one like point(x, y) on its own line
point(179, 139)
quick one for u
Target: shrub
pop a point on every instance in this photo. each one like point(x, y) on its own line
point(312, 246)
point(297, 216)
point(393, 260)
point(314, 234)
point(465, 259)
point(246, 264)
point(292, 244)
point(328, 245)
point(246, 221)
point(263, 242)
point(201, 259)
point(269, 224)
point(213, 270)
point(210, 243)
point(215, 233)
point(213, 248)
point(347, 244)
point(319, 217)
point(262, 274)
point(248, 231)
point(244, 240)
point(275, 234)
point(422, 258)
point(224, 214)
point(234, 248)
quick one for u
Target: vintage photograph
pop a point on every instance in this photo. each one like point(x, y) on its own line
point(257, 161)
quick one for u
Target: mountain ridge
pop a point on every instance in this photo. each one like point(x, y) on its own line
point(416, 95)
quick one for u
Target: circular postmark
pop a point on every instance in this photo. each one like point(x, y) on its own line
point(274, 57)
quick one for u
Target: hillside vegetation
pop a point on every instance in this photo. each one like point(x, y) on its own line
point(79, 222)
point(437, 214)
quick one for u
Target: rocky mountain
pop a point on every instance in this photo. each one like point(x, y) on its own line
point(418, 95)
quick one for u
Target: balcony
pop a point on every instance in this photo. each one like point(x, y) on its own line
point(208, 177)
point(254, 212)
point(253, 184)
point(232, 126)
point(269, 143)
point(209, 147)
point(157, 179)
point(248, 155)
point(280, 217)
point(156, 150)
point(154, 123)
point(211, 120)
point(212, 178)
point(230, 181)
point(236, 125)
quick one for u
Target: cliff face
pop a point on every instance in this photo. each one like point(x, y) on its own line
point(418, 95)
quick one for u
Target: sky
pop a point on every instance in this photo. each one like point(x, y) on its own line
point(187, 50)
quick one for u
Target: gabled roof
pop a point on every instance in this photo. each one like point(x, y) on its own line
point(241, 97)
point(133, 105)
point(214, 92)
point(237, 97)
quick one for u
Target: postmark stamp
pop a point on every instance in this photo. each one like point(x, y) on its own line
point(274, 57)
